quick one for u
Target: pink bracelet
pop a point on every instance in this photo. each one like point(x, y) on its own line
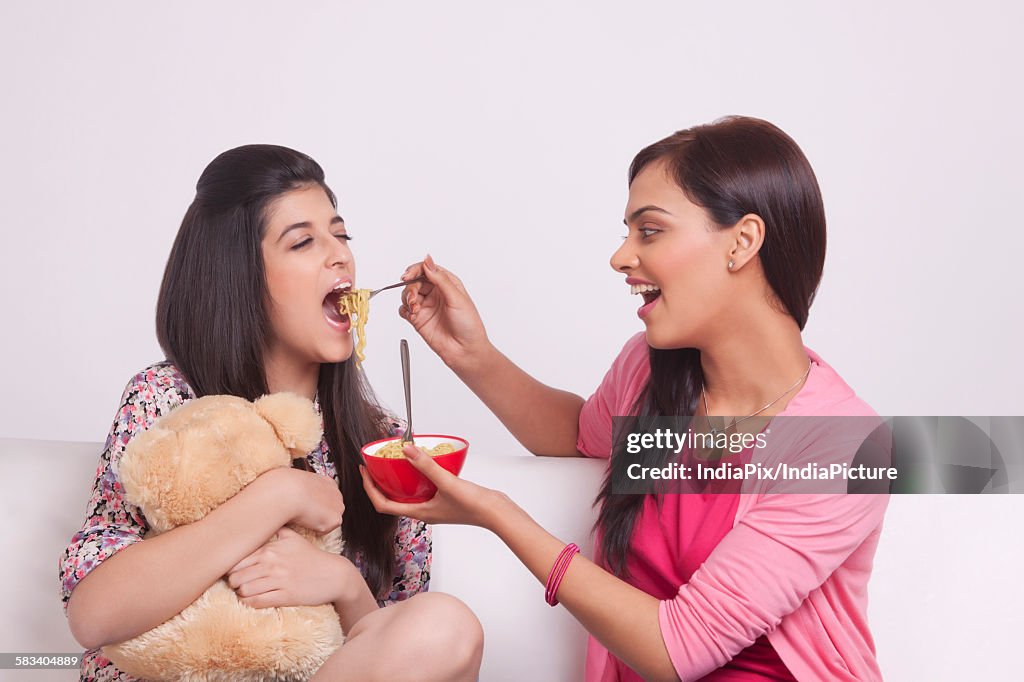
point(558, 572)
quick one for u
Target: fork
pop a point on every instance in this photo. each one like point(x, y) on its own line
point(421, 278)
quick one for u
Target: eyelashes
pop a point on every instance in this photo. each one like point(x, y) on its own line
point(645, 233)
point(307, 241)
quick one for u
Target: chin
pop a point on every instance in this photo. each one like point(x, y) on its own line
point(336, 355)
point(664, 341)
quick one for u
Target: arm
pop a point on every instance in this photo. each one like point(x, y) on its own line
point(110, 574)
point(762, 570)
point(624, 619)
point(542, 418)
point(290, 571)
point(118, 600)
point(732, 599)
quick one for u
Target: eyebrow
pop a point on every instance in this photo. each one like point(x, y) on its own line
point(305, 224)
point(644, 209)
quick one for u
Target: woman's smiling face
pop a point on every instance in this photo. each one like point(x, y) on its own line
point(306, 258)
point(675, 257)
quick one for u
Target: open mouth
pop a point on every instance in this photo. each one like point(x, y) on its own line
point(649, 292)
point(332, 301)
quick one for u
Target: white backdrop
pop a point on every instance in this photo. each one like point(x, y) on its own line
point(497, 138)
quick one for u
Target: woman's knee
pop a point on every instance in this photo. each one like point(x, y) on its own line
point(446, 625)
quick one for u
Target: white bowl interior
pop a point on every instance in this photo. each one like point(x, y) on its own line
point(422, 441)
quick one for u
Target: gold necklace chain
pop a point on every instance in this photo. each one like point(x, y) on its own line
point(707, 412)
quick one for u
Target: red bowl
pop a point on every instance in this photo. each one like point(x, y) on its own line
point(399, 480)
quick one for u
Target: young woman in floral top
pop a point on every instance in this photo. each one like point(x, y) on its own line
point(246, 309)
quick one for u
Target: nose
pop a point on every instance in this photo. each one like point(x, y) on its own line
point(339, 254)
point(624, 259)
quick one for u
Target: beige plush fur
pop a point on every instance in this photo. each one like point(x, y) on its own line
point(191, 461)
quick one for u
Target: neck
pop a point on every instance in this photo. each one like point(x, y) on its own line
point(753, 363)
point(287, 374)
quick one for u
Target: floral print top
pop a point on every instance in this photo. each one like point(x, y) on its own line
point(112, 523)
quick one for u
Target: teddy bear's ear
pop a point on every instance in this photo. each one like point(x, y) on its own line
point(294, 420)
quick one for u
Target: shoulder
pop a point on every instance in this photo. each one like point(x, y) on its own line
point(150, 393)
point(161, 377)
point(635, 352)
point(161, 380)
point(628, 373)
point(615, 396)
point(826, 394)
point(631, 366)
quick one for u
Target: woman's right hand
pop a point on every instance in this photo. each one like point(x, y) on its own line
point(313, 501)
point(441, 311)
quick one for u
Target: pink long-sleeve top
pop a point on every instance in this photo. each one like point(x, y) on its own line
point(753, 586)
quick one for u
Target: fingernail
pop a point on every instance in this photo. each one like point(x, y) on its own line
point(429, 262)
point(411, 451)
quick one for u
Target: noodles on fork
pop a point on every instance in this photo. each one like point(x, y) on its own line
point(356, 304)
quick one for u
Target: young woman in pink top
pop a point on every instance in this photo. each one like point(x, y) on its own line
point(726, 244)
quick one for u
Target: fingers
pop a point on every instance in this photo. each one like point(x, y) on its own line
point(257, 586)
point(237, 579)
point(426, 465)
point(445, 281)
point(413, 297)
point(413, 271)
point(267, 599)
point(381, 503)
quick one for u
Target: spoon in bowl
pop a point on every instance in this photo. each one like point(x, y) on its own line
point(406, 383)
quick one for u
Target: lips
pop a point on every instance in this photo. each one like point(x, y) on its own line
point(649, 291)
point(645, 310)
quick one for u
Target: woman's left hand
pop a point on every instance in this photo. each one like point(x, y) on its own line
point(289, 571)
point(457, 500)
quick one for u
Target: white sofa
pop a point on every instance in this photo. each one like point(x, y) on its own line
point(46, 486)
point(946, 600)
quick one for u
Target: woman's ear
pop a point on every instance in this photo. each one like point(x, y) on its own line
point(748, 234)
point(294, 419)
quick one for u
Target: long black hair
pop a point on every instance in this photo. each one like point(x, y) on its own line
point(732, 167)
point(212, 323)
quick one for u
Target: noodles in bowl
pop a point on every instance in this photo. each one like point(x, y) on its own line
point(393, 450)
point(395, 475)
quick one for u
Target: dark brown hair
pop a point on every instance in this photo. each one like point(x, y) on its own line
point(212, 324)
point(732, 167)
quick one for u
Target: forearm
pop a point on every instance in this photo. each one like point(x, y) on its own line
point(623, 618)
point(357, 601)
point(544, 419)
point(145, 584)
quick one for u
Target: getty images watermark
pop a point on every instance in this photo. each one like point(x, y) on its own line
point(864, 455)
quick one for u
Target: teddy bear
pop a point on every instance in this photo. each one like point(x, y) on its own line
point(189, 462)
